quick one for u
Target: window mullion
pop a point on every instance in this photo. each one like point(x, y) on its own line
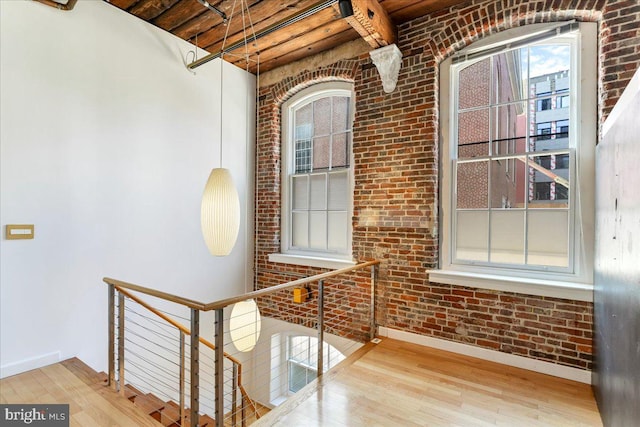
point(308, 210)
point(527, 150)
point(489, 210)
point(313, 135)
point(331, 134)
point(492, 93)
point(326, 212)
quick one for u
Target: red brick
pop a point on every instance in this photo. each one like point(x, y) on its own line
point(395, 145)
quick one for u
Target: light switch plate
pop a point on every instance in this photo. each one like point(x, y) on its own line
point(19, 231)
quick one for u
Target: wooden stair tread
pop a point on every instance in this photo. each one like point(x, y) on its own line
point(103, 377)
point(150, 404)
point(74, 383)
point(204, 421)
point(156, 400)
point(167, 413)
point(83, 371)
point(170, 414)
point(262, 410)
point(131, 392)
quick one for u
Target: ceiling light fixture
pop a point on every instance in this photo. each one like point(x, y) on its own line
point(245, 325)
point(220, 208)
point(220, 212)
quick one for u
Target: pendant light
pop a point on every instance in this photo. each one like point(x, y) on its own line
point(220, 212)
point(245, 325)
point(220, 208)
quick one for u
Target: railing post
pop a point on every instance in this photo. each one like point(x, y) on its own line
point(243, 412)
point(219, 367)
point(195, 367)
point(320, 327)
point(182, 382)
point(372, 316)
point(112, 336)
point(121, 381)
point(234, 395)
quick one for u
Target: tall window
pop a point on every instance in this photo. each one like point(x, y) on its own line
point(317, 179)
point(302, 360)
point(294, 361)
point(518, 190)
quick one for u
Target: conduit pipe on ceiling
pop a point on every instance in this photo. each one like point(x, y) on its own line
point(275, 27)
point(69, 5)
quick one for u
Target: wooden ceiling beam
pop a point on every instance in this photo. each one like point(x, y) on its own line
point(307, 50)
point(275, 46)
point(149, 9)
point(198, 26)
point(403, 11)
point(373, 23)
point(263, 15)
point(180, 13)
point(304, 27)
point(122, 4)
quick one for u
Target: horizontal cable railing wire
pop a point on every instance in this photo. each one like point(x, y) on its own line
point(249, 373)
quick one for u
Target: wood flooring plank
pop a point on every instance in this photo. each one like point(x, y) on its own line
point(90, 402)
point(398, 383)
point(389, 384)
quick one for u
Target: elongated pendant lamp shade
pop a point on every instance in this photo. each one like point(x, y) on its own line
point(244, 325)
point(220, 212)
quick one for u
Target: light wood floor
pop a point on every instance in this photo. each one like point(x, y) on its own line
point(91, 404)
point(391, 384)
point(402, 384)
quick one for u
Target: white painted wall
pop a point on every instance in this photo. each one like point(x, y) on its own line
point(106, 143)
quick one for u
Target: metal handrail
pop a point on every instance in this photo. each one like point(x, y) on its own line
point(215, 305)
point(218, 306)
point(184, 330)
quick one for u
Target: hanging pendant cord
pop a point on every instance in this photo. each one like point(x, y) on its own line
point(226, 33)
point(221, 107)
point(224, 42)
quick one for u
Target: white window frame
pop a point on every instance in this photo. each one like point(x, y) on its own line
point(313, 258)
point(280, 355)
point(292, 361)
point(575, 284)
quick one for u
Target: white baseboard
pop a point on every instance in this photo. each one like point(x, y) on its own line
point(28, 364)
point(535, 365)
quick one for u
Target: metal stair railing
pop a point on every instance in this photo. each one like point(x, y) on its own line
point(331, 310)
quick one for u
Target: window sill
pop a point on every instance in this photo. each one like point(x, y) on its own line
point(278, 401)
point(309, 261)
point(545, 288)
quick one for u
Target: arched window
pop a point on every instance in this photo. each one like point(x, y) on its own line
point(518, 131)
point(317, 178)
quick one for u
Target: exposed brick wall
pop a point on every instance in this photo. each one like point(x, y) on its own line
point(346, 302)
point(396, 179)
point(545, 328)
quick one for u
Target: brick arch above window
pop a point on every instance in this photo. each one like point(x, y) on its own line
point(451, 30)
point(343, 70)
point(474, 24)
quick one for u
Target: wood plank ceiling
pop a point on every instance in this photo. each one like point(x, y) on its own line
point(279, 42)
